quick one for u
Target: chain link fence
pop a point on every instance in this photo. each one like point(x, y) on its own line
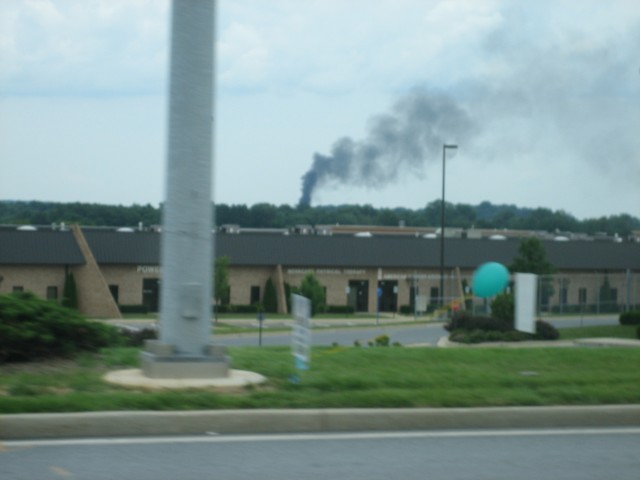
point(558, 294)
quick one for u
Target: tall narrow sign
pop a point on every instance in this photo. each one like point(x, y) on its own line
point(525, 302)
point(301, 337)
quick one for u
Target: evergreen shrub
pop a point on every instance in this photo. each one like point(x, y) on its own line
point(34, 329)
point(503, 308)
point(70, 292)
point(270, 297)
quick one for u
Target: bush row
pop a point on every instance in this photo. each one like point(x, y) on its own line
point(630, 318)
point(133, 309)
point(467, 321)
point(255, 308)
point(339, 309)
point(544, 331)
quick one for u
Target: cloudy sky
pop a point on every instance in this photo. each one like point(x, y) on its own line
point(355, 97)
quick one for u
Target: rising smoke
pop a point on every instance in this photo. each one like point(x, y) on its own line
point(397, 143)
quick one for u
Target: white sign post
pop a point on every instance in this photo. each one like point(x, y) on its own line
point(525, 302)
point(301, 337)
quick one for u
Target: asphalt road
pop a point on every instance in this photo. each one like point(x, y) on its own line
point(406, 335)
point(346, 337)
point(567, 454)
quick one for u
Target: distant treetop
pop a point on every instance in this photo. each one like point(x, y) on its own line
point(266, 215)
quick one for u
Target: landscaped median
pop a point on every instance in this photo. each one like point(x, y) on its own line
point(36, 334)
point(344, 377)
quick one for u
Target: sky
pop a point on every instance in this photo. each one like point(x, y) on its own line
point(352, 99)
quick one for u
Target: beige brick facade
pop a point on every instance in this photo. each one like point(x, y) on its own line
point(36, 279)
point(115, 270)
point(129, 280)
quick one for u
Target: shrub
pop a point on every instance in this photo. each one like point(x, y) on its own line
point(502, 308)
point(466, 321)
point(270, 297)
point(406, 310)
point(546, 331)
point(238, 308)
point(32, 328)
point(339, 309)
point(381, 341)
point(134, 309)
point(479, 336)
point(630, 318)
point(288, 290)
point(70, 292)
point(314, 291)
point(638, 332)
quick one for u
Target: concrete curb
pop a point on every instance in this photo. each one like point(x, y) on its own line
point(131, 423)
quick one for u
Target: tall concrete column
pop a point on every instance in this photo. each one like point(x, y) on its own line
point(183, 349)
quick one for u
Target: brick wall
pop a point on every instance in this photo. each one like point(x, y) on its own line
point(34, 279)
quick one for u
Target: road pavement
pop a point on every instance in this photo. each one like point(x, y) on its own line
point(568, 454)
point(346, 331)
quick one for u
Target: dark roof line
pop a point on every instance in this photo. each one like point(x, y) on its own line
point(255, 249)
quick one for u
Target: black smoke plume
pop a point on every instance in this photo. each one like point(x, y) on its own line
point(397, 143)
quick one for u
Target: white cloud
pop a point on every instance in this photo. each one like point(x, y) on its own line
point(83, 47)
point(553, 85)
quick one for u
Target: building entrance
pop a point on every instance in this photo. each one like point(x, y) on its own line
point(388, 295)
point(358, 296)
point(151, 293)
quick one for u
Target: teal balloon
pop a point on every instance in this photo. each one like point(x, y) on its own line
point(489, 279)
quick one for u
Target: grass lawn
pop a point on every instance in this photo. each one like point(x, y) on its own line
point(345, 377)
point(612, 331)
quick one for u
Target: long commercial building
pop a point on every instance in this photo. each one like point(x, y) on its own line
point(389, 269)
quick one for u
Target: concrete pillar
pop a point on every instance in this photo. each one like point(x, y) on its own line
point(183, 349)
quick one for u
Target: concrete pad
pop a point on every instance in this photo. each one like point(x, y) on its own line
point(134, 378)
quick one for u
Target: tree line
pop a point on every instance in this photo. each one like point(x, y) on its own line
point(266, 215)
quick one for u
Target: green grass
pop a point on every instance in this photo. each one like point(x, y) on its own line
point(347, 377)
point(612, 331)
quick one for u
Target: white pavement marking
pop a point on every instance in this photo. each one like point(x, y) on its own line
point(211, 437)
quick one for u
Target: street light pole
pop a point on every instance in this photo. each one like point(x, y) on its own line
point(444, 155)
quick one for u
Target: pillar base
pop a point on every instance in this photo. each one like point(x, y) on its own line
point(160, 361)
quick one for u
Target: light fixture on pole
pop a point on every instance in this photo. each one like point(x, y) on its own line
point(445, 147)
